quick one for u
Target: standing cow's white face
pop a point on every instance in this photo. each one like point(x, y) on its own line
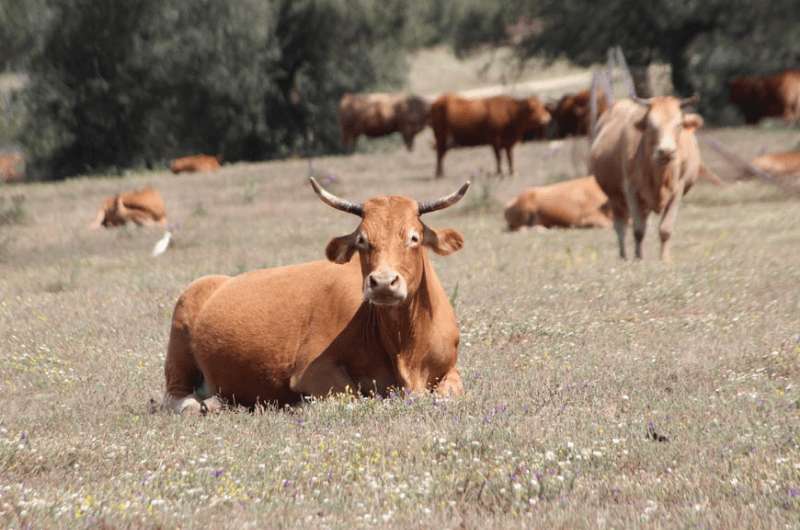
point(389, 241)
point(662, 125)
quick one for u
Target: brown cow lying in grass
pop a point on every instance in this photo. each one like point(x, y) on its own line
point(786, 164)
point(381, 114)
point(371, 317)
point(143, 207)
point(645, 157)
point(12, 167)
point(499, 121)
point(194, 164)
point(578, 203)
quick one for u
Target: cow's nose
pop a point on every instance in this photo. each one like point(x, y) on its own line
point(665, 153)
point(383, 280)
point(385, 288)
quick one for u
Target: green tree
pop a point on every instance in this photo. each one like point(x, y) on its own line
point(121, 84)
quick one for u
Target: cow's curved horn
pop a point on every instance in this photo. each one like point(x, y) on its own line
point(443, 202)
point(645, 102)
point(336, 202)
point(691, 100)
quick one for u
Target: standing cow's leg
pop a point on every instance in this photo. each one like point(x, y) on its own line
point(496, 149)
point(620, 225)
point(510, 157)
point(408, 140)
point(639, 217)
point(668, 222)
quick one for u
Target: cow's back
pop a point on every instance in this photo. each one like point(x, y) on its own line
point(570, 203)
point(146, 199)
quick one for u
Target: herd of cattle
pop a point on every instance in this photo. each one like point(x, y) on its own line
point(374, 316)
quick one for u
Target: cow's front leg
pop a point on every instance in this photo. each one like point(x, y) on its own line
point(639, 217)
point(510, 157)
point(450, 385)
point(668, 222)
point(322, 378)
point(496, 149)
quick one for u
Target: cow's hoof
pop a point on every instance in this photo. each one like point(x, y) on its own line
point(211, 405)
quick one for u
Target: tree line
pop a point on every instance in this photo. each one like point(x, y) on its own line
point(117, 84)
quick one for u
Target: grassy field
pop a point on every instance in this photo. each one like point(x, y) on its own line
point(599, 393)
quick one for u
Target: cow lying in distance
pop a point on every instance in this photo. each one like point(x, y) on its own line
point(786, 164)
point(381, 114)
point(143, 207)
point(499, 121)
point(12, 167)
point(371, 317)
point(572, 113)
point(576, 203)
point(645, 157)
point(195, 164)
point(760, 97)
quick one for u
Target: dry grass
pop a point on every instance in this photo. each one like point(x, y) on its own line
point(573, 362)
point(436, 69)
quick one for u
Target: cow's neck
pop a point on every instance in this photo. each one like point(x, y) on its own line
point(404, 332)
point(662, 178)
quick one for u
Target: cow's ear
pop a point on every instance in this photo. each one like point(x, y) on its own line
point(341, 249)
point(444, 242)
point(692, 121)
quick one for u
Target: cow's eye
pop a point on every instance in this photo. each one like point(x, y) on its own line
point(361, 242)
point(413, 239)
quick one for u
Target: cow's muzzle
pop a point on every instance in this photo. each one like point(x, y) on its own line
point(664, 155)
point(385, 287)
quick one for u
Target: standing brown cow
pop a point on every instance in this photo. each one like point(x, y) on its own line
point(195, 164)
point(578, 203)
point(499, 121)
point(142, 207)
point(372, 316)
point(381, 114)
point(645, 158)
point(760, 97)
point(572, 113)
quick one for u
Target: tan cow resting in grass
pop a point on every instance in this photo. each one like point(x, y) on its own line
point(195, 164)
point(143, 207)
point(576, 203)
point(371, 317)
point(645, 158)
point(786, 164)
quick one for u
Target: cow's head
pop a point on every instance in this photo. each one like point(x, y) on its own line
point(390, 241)
point(538, 115)
point(113, 213)
point(663, 124)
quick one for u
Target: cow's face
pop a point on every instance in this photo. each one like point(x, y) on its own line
point(390, 242)
point(662, 125)
point(539, 115)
